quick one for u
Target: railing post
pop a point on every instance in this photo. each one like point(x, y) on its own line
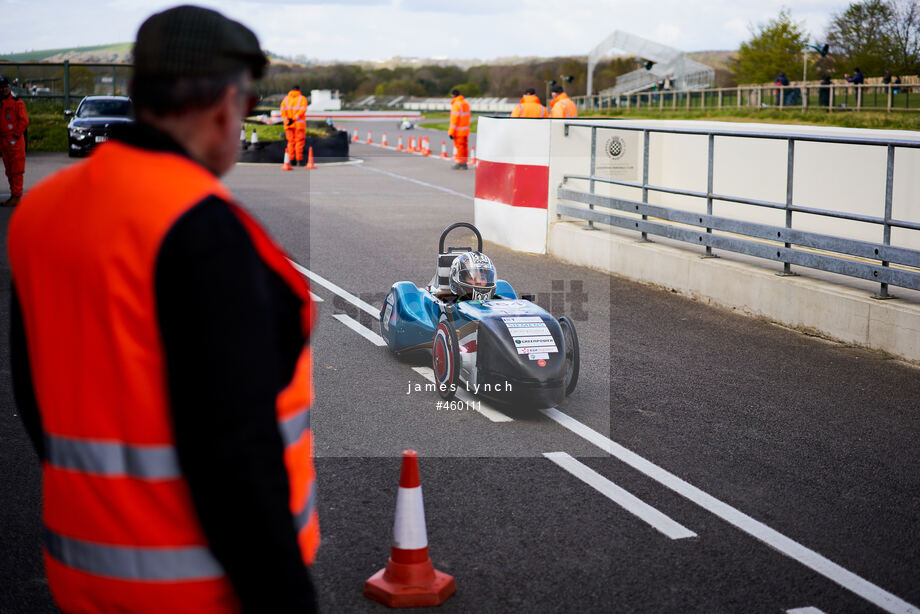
point(66, 84)
point(709, 174)
point(739, 97)
point(593, 170)
point(804, 92)
point(790, 169)
point(688, 100)
point(673, 99)
point(645, 140)
point(830, 98)
point(661, 100)
point(889, 98)
point(859, 95)
point(720, 97)
point(114, 81)
point(886, 228)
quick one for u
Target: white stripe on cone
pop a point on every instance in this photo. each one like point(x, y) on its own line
point(409, 525)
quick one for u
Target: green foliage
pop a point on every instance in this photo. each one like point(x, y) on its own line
point(860, 36)
point(775, 47)
point(876, 34)
point(505, 80)
point(47, 132)
point(468, 89)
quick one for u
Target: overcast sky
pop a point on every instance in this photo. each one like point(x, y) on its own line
point(381, 29)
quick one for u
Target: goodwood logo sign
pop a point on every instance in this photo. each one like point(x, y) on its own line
point(615, 148)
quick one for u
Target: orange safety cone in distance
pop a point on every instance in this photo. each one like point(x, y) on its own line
point(411, 148)
point(399, 145)
point(443, 149)
point(355, 139)
point(426, 147)
point(287, 163)
point(310, 165)
point(409, 579)
point(370, 137)
point(383, 141)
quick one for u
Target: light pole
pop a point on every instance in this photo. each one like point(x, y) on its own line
point(823, 49)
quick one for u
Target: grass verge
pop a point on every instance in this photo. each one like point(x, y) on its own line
point(903, 120)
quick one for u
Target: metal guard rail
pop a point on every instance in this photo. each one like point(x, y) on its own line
point(882, 254)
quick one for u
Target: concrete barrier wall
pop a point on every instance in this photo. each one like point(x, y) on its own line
point(512, 182)
point(827, 176)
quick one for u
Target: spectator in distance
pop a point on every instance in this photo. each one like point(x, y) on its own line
point(529, 106)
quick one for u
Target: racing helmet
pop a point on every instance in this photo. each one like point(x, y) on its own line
point(472, 276)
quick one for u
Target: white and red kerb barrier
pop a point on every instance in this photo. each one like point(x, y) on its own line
point(512, 182)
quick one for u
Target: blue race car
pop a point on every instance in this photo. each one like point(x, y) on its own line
point(481, 335)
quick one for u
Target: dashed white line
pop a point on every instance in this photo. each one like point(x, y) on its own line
point(417, 182)
point(351, 298)
point(492, 414)
point(808, 610)
point(360, 329)
point(621, 497)
point(776, 540)
point(316, 298)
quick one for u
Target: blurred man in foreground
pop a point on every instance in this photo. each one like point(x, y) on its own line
point(160, 353)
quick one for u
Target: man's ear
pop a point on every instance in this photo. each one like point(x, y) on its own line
point(225, 112)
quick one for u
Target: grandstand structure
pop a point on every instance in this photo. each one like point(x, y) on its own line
point(662, 61)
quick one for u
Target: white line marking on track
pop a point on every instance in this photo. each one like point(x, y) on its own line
point(808, 610)
point(360, 329)
point(621, 497)
point(417, 182)
point(492, 414)
point(316, 298)
point(351, 298)
point(776, 540)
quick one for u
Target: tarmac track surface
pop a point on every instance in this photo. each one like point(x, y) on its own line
point(761, 453)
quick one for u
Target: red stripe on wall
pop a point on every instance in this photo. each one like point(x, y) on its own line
point(518, 185)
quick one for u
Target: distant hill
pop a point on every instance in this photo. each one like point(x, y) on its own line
point(116, 53)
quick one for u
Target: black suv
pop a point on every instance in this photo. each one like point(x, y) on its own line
point(93, 120)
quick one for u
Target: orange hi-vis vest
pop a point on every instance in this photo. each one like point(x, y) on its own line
point(294, 106)
point(120, 526)
point(563, 106)
point(529, 106)
point(459, 117)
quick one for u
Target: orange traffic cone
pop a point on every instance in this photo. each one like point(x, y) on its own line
point(426, 147)
point(383, 142)
point(287, 163)
point(399, 145)
point(409, 579)
point(443, 149)
point(355, 139)
point(370, 137)
point(310, 165)
point(411, 145)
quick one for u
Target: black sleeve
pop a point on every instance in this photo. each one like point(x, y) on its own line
point(22, 376)
point(231, 335)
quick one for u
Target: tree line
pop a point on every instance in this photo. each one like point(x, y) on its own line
point(873, 35)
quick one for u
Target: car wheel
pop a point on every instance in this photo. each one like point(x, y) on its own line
point(445, 359)
point(572, 359)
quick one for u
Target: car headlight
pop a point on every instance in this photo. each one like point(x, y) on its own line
point(78, 133)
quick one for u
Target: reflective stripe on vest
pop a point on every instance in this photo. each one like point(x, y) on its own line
point(133, 563)
point(159, 563)
point(151, 462)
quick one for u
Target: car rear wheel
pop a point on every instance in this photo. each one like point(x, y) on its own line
point(572, 359)
point(445, 359)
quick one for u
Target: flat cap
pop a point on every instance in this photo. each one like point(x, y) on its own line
point(4, 81)
point(191, 41)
